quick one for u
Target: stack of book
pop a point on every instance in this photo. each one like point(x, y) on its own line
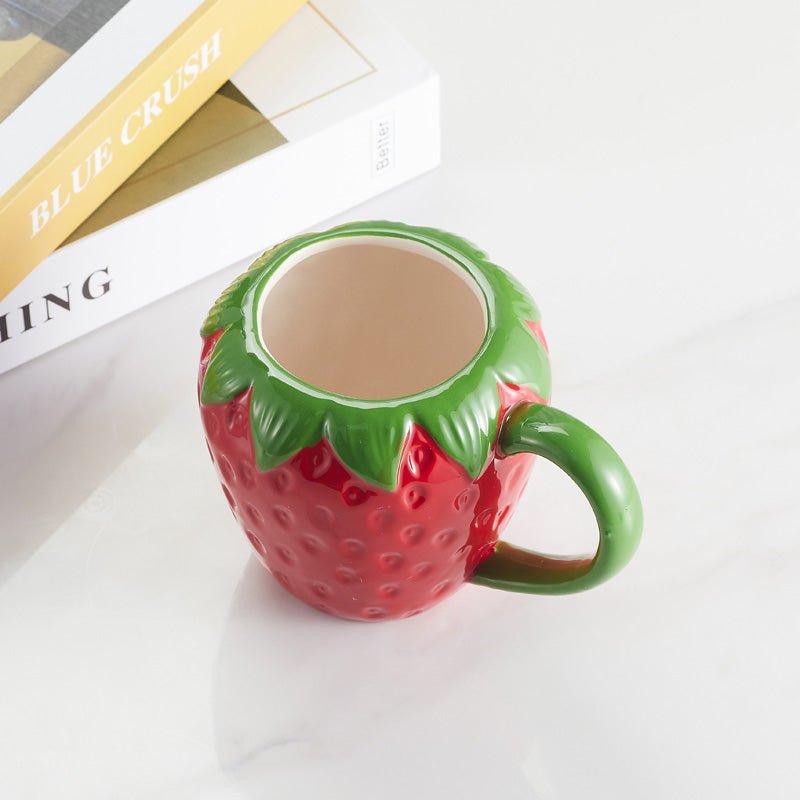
point(141, 153)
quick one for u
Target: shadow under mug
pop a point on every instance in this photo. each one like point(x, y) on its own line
point(373, 397)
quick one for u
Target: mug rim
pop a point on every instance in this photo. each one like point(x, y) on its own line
point(278, 264)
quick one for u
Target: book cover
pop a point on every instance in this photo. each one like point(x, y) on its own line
point(98, 85)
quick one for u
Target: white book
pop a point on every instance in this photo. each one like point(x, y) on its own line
point(333, 110)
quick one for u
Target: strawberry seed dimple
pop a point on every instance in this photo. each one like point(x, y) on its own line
point(423, 455)
point(311, 544)
point(381, 519)
point(465, 499)
point(281, 480)
point(420, 460)
point(283, 516)
point(255, 515)
point(352, 548)
point(285, 554)
point(246, 475)
point(345, 575)
point(441, 588)
point(421, 570)
point(226, 469)
point(462, 553)
point(389, 562)
point(444, 537)
point(354, 495)
point(212, 424)
point(228, 496)
point(320, 463)
point(414, 495)
point(321, 589)
point(412, 534)
point(257, 543)
point(237, 421)
point(484, 519)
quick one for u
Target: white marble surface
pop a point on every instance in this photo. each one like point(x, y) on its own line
point(641, 177)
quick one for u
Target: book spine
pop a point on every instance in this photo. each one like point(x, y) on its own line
point(121, 132)
point(112, 272)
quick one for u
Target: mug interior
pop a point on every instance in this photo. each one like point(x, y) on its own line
point(372, 317)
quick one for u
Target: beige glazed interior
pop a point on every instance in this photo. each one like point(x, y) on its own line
point(372, 317)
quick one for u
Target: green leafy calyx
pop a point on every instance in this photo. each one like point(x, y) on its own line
point(461, 414)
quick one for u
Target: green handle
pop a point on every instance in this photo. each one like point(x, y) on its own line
point(593, 464)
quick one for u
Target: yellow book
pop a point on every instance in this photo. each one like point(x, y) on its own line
point(89, 89)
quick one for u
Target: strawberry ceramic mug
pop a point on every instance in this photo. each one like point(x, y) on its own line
point(373, 397)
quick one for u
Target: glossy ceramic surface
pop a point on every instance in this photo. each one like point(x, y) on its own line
point(375, 509)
